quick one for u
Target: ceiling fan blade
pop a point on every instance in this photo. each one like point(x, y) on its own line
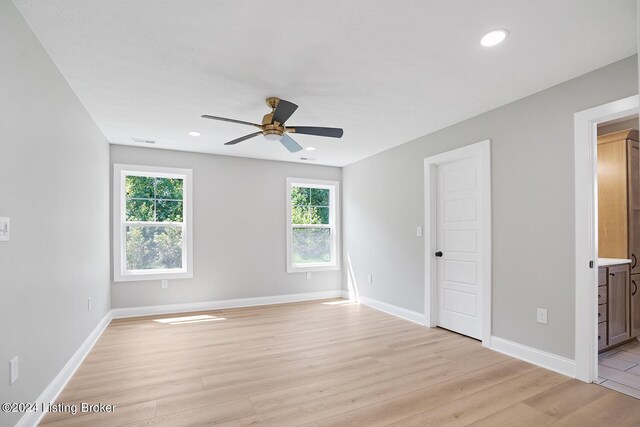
point(243, 138)
point(206, 116)
point(283, 111)
point(290, 144)
point(306, 130)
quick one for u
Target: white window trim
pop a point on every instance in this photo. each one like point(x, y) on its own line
point(334, 223)
point(119, 197)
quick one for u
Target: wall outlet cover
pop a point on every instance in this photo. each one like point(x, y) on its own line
point(13, 367)
point(5, 229)
point(542, 316)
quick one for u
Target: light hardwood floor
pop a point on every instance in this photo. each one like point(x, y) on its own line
point(320, 363)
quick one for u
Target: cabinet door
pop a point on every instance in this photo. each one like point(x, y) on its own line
point(633, 167)
point(635, 305)
point(613, 206)
point(618, 304)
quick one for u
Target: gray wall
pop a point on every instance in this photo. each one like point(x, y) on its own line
point(54, 185)
point(239, 228)
point(533, 208)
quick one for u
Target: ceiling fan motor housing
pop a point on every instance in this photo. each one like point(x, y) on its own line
point(273, 132)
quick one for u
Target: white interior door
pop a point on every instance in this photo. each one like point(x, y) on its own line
point(459, 287)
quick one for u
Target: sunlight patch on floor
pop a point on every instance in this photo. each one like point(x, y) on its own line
point(189, 319)
point(341, 302)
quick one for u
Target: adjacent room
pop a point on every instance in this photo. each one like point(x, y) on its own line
point(297, 213)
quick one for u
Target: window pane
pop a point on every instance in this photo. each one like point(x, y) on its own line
point(168, 211)
point(139, 210)
point(311, 245)
point(300, 215)
point(169, 188)
point(300, 196)
point(139, 187)
point(319, 215)
point(320, 196)
point(150, 248)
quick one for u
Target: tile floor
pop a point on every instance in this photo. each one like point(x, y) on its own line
point(619, 369)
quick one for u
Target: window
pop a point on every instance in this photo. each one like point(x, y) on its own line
point(152, 223)
point(312, 225)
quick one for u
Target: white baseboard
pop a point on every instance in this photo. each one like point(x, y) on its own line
point(53, 390)
point(541, 358)
point(394, 310)
point(119, 313)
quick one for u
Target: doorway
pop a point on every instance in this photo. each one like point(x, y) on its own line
point(586, 229)
point(458, 240)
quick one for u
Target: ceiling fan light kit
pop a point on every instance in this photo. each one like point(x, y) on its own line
point(273, 126)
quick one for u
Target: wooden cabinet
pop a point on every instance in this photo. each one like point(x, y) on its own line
point(603, 338)
point(619, 197)
point(619, 236)
point(618, 316)
point(635, 305)
point(618, 305)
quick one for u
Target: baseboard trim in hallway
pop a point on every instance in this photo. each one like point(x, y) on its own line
point(394, 310)
point(549, 361)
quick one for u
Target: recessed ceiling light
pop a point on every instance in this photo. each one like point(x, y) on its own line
point(194, 133)
point(310, 148)
point(493, 38)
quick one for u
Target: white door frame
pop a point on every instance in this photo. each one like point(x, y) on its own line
point(483, 151)
point(586, 228)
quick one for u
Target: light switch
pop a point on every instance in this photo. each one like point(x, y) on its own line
point(4, 229)
point(419, 231)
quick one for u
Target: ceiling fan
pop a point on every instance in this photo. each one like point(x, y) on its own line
point(273, 126)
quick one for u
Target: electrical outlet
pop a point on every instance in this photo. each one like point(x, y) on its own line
point(542, 316)
point(4, 229)
point(164, 284)
point(369, 278)
point(13, 368)
point(89, 303)
point(308, 275)
point(419, 231)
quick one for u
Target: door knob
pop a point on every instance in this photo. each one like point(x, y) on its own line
point(438, 254)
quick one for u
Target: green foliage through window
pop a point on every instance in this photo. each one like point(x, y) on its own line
point(151, 199)
point(311, 234)
point(151, 248)
point(310, 205)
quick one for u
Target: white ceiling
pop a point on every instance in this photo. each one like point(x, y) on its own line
point(385, 71)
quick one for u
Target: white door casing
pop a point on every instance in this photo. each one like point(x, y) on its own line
point(458, 223)
point(586, 229)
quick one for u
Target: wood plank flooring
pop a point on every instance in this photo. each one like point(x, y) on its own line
point(319, 363)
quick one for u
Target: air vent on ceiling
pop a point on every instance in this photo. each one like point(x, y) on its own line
point(144, 141)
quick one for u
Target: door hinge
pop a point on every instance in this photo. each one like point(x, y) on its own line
point(590, 264)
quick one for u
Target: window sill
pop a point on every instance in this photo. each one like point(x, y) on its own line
point(152, 276)
point(310, 268)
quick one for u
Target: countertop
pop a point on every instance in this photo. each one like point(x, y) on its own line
point(604, 262)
